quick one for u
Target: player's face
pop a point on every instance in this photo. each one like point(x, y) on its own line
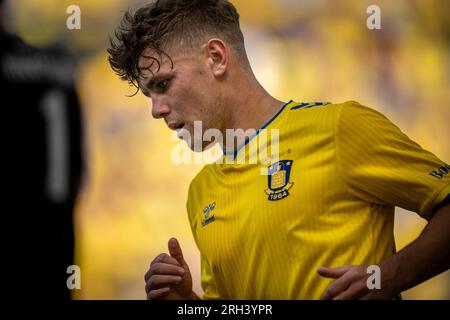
point(182, 92)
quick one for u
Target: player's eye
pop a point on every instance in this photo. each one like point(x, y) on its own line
point(162, 85)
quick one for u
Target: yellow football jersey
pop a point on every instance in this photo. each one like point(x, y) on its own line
point(328, 200)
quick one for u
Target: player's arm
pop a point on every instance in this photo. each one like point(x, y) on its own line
point(424, 258)
point(392, 171)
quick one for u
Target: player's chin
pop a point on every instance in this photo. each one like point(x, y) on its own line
point(197, 148)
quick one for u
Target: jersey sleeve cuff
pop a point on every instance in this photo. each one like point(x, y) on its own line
point(441, 200)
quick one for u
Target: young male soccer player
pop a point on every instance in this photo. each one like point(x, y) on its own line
point(324, 211)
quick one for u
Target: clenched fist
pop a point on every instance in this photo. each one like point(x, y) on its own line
point(168, 277)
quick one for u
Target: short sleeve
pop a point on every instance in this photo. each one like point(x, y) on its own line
point(382, 165)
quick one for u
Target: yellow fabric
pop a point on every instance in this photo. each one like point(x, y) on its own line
point(345, 168)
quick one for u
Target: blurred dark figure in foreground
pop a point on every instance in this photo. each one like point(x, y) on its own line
point(43, 125)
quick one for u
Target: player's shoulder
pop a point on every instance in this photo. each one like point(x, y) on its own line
point(322, 107)
point(330, 110)
point(315, 115)
point(354, 113)
point(325, 118)
point(312, 110)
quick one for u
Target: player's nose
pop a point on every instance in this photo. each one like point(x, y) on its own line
point(159, 109)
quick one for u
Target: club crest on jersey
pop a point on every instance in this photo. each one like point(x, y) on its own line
point(208, 216)
point(279, 185)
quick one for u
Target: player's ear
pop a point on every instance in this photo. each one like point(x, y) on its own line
point(218, 55)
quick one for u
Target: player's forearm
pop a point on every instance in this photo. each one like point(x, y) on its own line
point(424, 258)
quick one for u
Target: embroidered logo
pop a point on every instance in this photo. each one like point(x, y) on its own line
point(278, 180)
point(208, 216)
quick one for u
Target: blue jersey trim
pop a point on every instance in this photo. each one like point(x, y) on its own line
point(300, 106)
point(308, 105)
point(257, 132)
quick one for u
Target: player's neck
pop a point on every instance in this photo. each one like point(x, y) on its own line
point(253, 108)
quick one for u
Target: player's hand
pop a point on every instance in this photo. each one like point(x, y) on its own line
point(351, 284)
point(168, 277)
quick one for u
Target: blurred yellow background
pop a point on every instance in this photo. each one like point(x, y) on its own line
point(134, 197)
